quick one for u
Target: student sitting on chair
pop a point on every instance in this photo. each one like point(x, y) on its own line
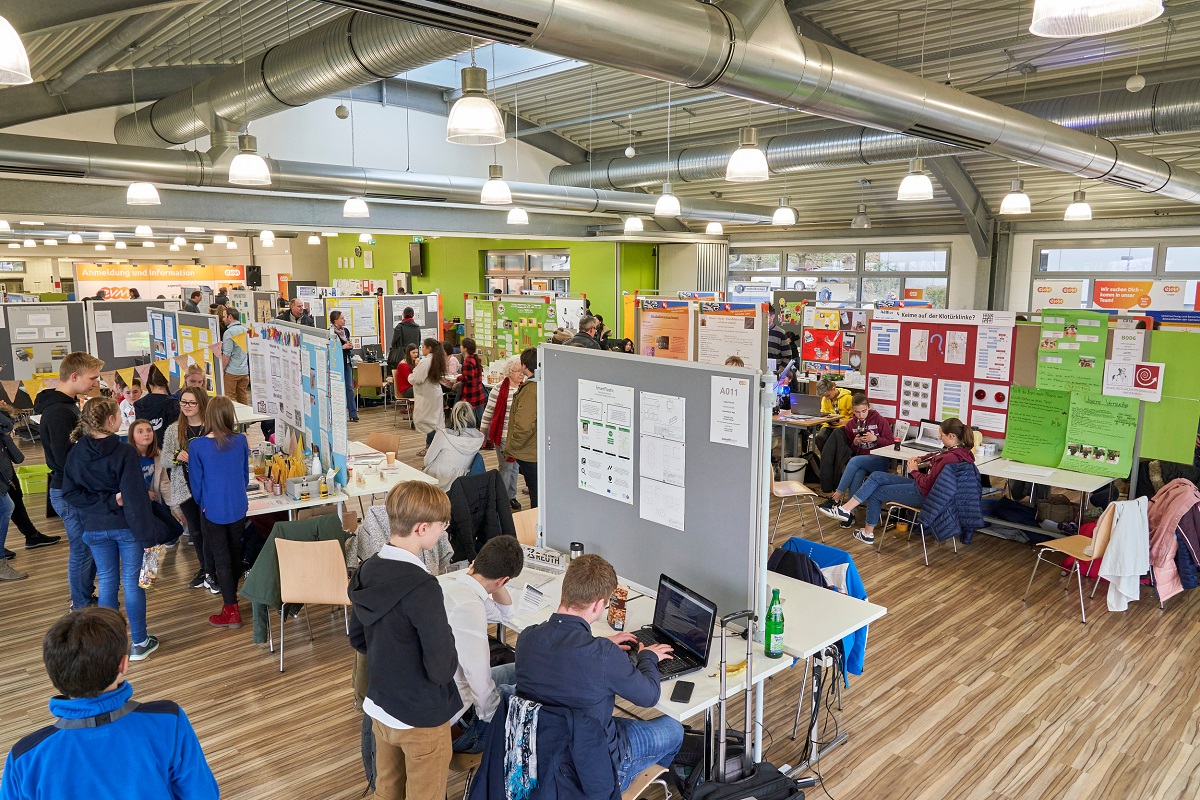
point(560, 663)
point(866, 431)
point(884, 487)
point(834, 400)
point(454, 449)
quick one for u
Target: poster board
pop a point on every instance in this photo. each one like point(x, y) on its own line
point(118, 333)
point(427, 312)
point(1167, 424)
point(834, 339)
point(675, 407)
point(568, 311)
point(936, 364)
point(362, 318)
point(666, 329)
point(504, 325)
point(254, 305)
point(298, 378)
point(35, 337)
point(206, 295)
point(180, 339)
point(732, 329)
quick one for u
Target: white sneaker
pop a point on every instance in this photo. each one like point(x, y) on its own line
point(836, 512)
point(863, 536)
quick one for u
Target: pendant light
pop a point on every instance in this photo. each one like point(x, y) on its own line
point(715, 229)
point(179, 240)
point(174, 248)
point(141, 193)
point(220, 238)
point(192, 229)
point(748, 164)
point(54, 242)
point(266, 243)
point(518, 216)
point(4, 226)
point(356, 207)
point(142, 231)
point(667, 204)
point(495, 191)
point(328, 234)
point(1079, 210)
point(100, 248)
point(106, 236)
point(634, 224)
point(861, 219)
point(147, 243)
point(314, 239)
point(14, 245)
point(231, 245)
point(248, 168)
point(916, 184)
point(74, 238)
point(121, 245)
point(14, 61)
point(1016, 201)
point(474, 118)
point(364, 238)
point(264, 235)
point(785, 214)
point(30, 243)
point(1068, 19)
point(198, 247)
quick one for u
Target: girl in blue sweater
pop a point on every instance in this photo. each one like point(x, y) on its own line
point(218, 468)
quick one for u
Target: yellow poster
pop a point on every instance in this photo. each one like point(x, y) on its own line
point(666, 329)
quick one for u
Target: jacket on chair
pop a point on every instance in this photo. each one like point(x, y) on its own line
point(952, 507)
point(479, 512)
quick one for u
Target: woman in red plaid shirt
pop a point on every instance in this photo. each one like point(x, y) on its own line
point(470, 380)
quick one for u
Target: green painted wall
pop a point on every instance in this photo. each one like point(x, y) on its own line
point(456, 266)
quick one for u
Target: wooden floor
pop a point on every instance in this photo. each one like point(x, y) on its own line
point(967, 693)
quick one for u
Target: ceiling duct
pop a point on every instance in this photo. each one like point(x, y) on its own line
point(1163, 108)
point(749, 49)
point(30, 155)
point(349, 51)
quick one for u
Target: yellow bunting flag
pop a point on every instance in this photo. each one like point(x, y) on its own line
point(32, 387)
point(126, 375)
point(241, 340)
point(164, 367)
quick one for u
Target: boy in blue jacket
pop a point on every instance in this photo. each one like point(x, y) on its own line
point(114, 746)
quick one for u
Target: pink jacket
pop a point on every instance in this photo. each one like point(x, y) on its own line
point(1169, 505)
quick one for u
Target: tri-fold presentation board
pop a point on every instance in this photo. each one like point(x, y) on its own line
point(118, 333)
point(705, 330)
point(179, 339)
point(35, 337)
point(362, 318)
point(936, 364)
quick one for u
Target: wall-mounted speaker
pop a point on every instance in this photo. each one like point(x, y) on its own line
point(254, 276)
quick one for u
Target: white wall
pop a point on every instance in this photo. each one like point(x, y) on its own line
point(677, 268)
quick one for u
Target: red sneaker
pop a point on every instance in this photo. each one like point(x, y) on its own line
point(230, 617)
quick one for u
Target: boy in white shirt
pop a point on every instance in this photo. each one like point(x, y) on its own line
point(475, 598)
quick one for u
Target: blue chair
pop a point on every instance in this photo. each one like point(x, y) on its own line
point(477, 466)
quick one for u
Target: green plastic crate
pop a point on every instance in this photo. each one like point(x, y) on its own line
point(34, 479)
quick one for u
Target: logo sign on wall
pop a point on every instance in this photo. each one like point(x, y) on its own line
point(1141, 380)
point(1125, 295)
point(1057, 294)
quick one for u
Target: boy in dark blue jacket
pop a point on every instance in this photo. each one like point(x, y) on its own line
point(103, 743)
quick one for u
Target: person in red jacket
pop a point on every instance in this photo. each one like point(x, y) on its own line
point(865, 431)
point(884, 487)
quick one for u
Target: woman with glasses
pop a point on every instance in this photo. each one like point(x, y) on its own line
point(173, 458)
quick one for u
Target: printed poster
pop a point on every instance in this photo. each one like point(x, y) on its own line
point(822, 346)
point(993, 353)
point(953, 399)
point(916, 397)
point(730, 330)
point(882, 387)
point(605, 440)
point(918, 345)
point(1100, 434)
point(1071, 351)
point(1140, 380)
point(662, 459)
point(956, 347)
point(885, 338)
point(1128, 295)
point(1052, 295)
point(665, 330)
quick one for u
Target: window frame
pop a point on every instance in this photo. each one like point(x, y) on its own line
point(1157, 271)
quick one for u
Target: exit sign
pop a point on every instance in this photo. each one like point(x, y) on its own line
point(418, 239)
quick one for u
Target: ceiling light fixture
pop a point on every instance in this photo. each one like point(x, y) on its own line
point(174, 248)
point(14, 245)
point(518, 216)
point(4, 226)
point(355, 207)
point(121, 245)
point(107, 236)
point(916, 184)
point(193, 230)
point(634, 225)
point(147, 243)
point(50, 242)
point(364, 238)
point(495, 191)
point(231, 245)
point(667, 204)
point(248, 168)
point(25, 222)
point(142, 231)
point(785, 214)
point(630, 152)
point(141, 193)
point(179, 240)
point(100, 248)
point(1068, 19)
point(748, 164)
point(220, 238)
point(1016, 201)
point(715, 229)
point(266, 243)
point(264, 235)
point(328, 234)
point(14, 61)
point(861, 218)
point(1079, 210)
point(74, 238)
point(29, 243)
point(314, 239)
point(198, 247)
point(474, 118)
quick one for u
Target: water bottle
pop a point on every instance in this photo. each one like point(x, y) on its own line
point(773, 638)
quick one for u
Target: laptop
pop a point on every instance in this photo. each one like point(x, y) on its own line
point(685, 621)
point(929, 437)
point(805, 405)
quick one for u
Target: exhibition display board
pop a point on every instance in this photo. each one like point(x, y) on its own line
point(34, 338)
point(427, 312)
point(665, 328)
point(153, 280)
point(1167, 425)
point(937, 364)
point(298, 378)
point(504, 325)
point(732, 329)
point(832, 340)
point(180, 338)
point(362, 318)
point(254, 305)
point(117, 330)
point(1115, 294)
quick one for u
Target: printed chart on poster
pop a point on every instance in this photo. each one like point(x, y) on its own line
point(731, 329)
point(662, 459)
point(605, 446)
point(665, 329)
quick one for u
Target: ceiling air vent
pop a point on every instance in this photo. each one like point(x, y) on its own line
point(454, 16)
point(946, 137)
point(51, 173)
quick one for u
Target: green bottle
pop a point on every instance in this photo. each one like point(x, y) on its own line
point(773, 638)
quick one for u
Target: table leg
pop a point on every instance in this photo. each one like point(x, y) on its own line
point(800, 700)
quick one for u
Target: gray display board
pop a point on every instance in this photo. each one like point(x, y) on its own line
point(393, 312)
point(720, 551)
point(36, 336)
point(118, 333)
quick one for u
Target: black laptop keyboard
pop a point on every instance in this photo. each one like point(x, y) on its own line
point(666, 669)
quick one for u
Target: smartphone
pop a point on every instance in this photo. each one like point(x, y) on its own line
point(682, 691)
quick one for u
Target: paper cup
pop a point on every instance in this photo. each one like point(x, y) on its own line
point(391, 458)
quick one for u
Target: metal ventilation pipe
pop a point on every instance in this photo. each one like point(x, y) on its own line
point(1162, 108)
point(60, 158)
point(349, 51)
point(749, 49)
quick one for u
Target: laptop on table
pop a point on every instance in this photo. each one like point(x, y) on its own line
point(685, 621)
point(929, 437)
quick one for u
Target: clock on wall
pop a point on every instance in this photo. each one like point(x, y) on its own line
point(358, 251)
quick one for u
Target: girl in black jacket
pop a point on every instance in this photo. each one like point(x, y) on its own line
point(9, 453)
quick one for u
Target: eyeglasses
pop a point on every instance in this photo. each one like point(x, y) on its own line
point(188, 403)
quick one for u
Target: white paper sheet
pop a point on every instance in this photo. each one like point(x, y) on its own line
point(722, 336)
point(431, 303)
point(989, 395)
point(729, 417)
point(952, 399)
point(918, 345)
point(885, 338)
point(956, 347)
point(1127, 346)
point(25, 334)
point(662, 503)
point(61, 333)
point(662, 460)
point(663, 415)
point(993, 353)
point(41, 320)
point(916, 396)
point(103, 321)
point(605, 440)
point(881, 387)
point(991, 421)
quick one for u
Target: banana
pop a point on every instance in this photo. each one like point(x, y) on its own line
point(734, 669)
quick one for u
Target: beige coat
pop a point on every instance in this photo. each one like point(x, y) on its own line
point(427, 399)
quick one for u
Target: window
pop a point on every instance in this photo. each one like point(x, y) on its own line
point(512, 271)
point(839, 275)
point(1143, 258)
point(1096, 259)
point(1182, 259)
point(506, 261)
point(550, 262)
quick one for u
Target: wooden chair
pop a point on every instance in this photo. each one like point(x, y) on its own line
point(909, 515)
point(468, 763)
point(383, 442)
point(370, 376)
point(526, 524)
point(311, 572)
point(795, 489)
point(1080, 548)
point(654, 774)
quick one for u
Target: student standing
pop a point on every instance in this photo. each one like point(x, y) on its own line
point(337, 324)
point(157, 406)
point(234, 359)
point(174, 459)
point(194, 377)
point(400, 623)
point(103, 743)
point(9, 453)
point(141, 436)
point(406, 333)
point(523, 426)
point(129, 396)
point(471, 380)
point(218, 467)
point(104, 484)
point(78, 374)
point(495, 426)
point(427, 390)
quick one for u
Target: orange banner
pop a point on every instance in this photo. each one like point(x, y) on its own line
point(152, 280)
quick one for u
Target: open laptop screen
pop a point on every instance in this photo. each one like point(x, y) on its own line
point(930, 433)
point(686, 617)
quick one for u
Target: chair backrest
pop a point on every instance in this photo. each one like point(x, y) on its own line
point(312, 572)
point(370, 374)
point(526, 525)
point(384, 442)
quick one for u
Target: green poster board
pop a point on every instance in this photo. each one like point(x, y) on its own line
point(1100, 434)
point(1037, 426)
point(1167, 428)
point(1071, 351)
point(1180, 351)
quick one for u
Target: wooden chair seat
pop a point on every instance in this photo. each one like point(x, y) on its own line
point(1074, 546)
point(648, 776)
point(913, 509)
point(465, 762)
point(790, 489)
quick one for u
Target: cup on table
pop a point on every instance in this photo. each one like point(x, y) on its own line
point(391, 458)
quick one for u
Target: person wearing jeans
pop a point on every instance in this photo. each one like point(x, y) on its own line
point(651, 741)
point(495, 426)
point(81, 567)
point(118, 561)
point(521, 443)
point(857, 470)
